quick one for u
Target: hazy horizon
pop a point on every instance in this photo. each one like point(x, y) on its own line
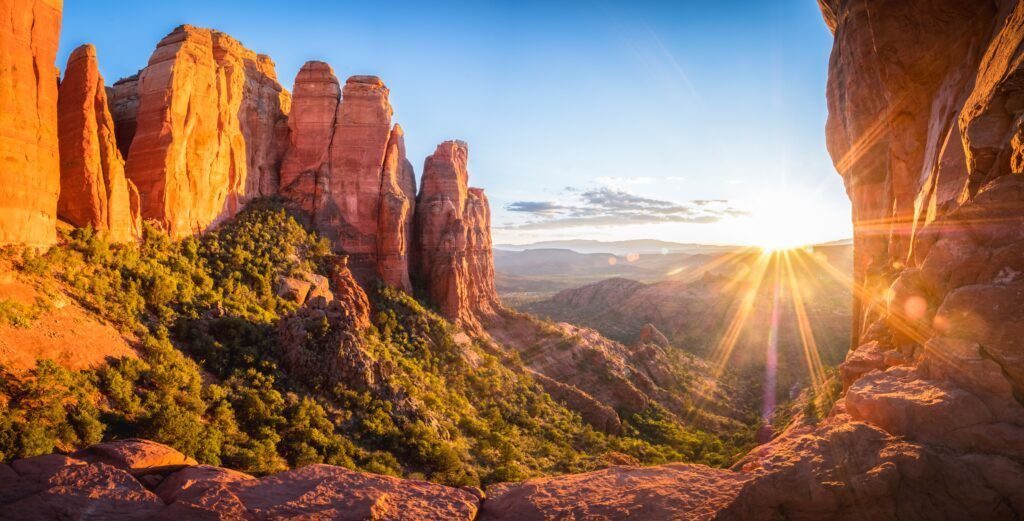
point(595, 120)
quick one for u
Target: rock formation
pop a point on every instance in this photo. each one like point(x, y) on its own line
point(124, 108)
point(139, 480)
point(924, 129)
point(30, 173)
point(346, 169)
point(93, 188)
point(207, 130)
point(362, 129)
point(306, 163)
point(395, 219)
point(454, 264)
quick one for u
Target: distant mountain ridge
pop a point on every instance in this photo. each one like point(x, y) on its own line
point(641, 246)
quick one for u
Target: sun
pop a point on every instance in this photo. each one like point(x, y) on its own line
point(785, 221)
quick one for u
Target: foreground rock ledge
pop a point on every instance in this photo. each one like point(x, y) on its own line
point(139, 479)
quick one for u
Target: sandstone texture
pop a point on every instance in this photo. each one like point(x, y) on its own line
point(93, 188)
point(346, 169)
point(923, 128)
point(362, 129)
point(207, 135)
point(29, 164)
point(669, 492)
point(123, 98)
point(395, 217)
point(306, 165)
point(454, 263)
point(111, 482)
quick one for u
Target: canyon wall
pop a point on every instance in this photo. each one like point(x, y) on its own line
point(93, 188)
point(207, 133)
point(926, 126)
point(453, 263)
point(29, 165)
point(204, 128)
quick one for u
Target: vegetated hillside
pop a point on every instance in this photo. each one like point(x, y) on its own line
point(696, 315)
point(227, 326)
point(527, 276)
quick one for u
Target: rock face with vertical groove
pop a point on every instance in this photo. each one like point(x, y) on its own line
point(206, 138)
point(925, 126)
point(29, 166)
point(346, 169)
point(454, 264)
point(124, 108)
point(395, 217)
point(306, 164)
point(351, 212)
point(93, 188)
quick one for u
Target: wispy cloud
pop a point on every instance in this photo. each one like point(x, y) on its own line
point(607, 206)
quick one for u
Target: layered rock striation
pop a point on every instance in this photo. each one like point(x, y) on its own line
point(93, 188)
point(207, 135)
point(29, 165)
point(454, 264)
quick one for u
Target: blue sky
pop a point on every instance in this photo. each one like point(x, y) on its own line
point(692, 121)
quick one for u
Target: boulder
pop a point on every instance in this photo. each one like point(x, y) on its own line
point(200, 476)
point(650, 335)
point(80, 491)
point(30, 177)
point(845, 470)
point(136, 456)
point(93, 188)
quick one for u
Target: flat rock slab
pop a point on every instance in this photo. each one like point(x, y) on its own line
point(669, 492)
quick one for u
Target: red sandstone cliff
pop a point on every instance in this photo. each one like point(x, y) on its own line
point(306, 164)
point(346, 169)
point(351, 211)
point(925, 131)
point(206, 138)
point(93, 188)
point(395, 214)
point(30, 173)
point(454, 264)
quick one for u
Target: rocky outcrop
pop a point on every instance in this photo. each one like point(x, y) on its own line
point(350, 215)
point(845, 469)
point(30, 176)
point(207, 130)
point(925, 132)
point(396, 207)
point(306, 164)
point(665, 493)
point(129, 488)
point(346, 169)
point(93, 188)
point(454, 264)
point(335, 355)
